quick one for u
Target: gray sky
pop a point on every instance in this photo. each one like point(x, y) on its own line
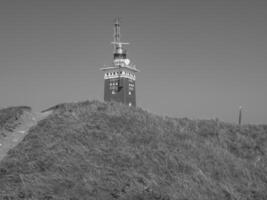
point(198, 58)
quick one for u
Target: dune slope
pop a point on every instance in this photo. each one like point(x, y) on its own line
point(94, 150)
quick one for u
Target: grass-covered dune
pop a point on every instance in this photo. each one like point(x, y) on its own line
point(94, 150)
point(10, 118)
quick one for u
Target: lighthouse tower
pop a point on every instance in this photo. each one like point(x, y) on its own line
point(120, 77)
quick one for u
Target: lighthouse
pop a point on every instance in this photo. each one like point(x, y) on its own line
point(120, 77)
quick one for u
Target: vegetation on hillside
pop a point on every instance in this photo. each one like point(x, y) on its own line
point(94, 150)
point(10, 118)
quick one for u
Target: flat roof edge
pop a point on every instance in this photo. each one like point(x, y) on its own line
point(110, 68)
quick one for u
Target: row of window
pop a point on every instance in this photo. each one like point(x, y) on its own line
point(120, 72)
point(114, 83)
point(113, 87)
point(114, 91)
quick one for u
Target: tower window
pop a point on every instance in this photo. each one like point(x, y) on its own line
point(130, 92)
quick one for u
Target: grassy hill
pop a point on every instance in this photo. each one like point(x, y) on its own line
point(14, 125)
point(94, 150)
point(10, 118)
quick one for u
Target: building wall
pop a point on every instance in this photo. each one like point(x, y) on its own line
point(121, 90)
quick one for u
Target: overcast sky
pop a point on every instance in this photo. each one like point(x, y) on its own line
point(198, 58)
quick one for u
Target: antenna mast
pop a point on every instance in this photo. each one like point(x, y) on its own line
point(119, 51)
point(117, 31)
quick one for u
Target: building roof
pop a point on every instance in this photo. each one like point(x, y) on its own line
point(129, 67)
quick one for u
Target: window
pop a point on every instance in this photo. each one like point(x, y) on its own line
point(130, 92)
point(130, 104)
point(113, 92)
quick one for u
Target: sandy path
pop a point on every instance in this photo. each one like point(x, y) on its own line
point(14, 138)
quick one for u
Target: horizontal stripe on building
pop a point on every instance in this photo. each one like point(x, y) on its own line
point(120, 76)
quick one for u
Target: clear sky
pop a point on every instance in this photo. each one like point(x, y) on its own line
point(198, 58)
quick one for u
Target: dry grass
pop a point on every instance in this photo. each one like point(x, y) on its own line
point(94, 150)
point(10, 118)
